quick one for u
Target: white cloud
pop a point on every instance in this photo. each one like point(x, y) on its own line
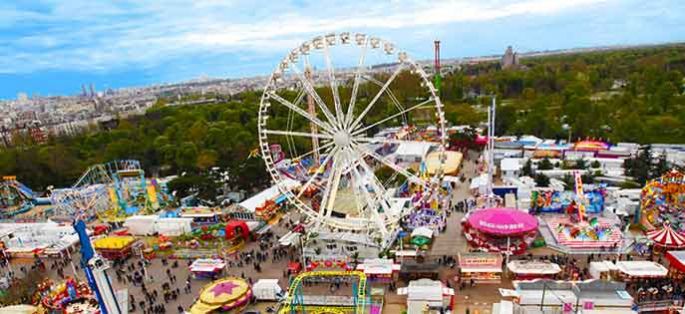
point(100, 36)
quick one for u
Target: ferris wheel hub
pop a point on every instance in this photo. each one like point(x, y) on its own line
point(342, 139)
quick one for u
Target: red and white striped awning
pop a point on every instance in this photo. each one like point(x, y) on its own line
point(667, 237)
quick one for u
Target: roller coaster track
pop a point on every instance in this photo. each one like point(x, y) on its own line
point(294, 302)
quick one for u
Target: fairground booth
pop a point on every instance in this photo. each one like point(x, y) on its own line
point(500, 230)
point(201, 215)
point(528, 270)
point(676, 265)
point(481, 267)
point(427, 296)
point(380, 269)
point(207, 268)
point(640, 270)
point(649, 285)
point(114, 247)
point(265, 204)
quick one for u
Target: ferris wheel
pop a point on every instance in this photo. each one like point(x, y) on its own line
point(355, 137)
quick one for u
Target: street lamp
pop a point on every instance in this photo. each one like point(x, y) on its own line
point(567, 127)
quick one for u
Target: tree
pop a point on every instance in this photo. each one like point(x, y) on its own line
point(640, 167)
point(207, 159)
point(541, 180)
point(595, 164)
point(527, 169)
point(581, 164)
point(545, 164)
point(186, 156)
point(661, 166)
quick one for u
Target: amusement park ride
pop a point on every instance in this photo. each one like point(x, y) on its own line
point(110, 191)
point(341, 156)
point(16, 198)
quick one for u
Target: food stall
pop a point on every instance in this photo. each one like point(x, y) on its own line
point(604, 270)
point(380, 269)
point(632, 270)
point(527, 270)
point(481, 267)
point(676, 264)
point(207, 268)
point(224, 295)
point(115, 247)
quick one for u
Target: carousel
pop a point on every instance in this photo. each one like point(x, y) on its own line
point(495, 229)
point(663, 200)
point(666, 238)
point(227, 295)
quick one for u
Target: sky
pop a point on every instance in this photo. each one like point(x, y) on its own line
point(51, 47)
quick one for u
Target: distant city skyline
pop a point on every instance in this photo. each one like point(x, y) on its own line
point(54, 47)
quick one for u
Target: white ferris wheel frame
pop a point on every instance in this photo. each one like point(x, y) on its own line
point(346, 135)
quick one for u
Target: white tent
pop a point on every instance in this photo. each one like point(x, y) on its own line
point(151, 224)
point(425, 292)
point(422, 232)
point(271, 193)
point(267, 289)
point(642, 269)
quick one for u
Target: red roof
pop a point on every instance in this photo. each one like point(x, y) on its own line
point(667, 237)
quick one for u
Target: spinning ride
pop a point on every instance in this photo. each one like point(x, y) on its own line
point(663, 201)
point(15, 198)
point(227, 295)
point(326, 132)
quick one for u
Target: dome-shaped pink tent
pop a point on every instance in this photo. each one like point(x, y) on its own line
point(502, 221)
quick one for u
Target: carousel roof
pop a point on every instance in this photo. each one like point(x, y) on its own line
point(667, 237)
point(502, 221)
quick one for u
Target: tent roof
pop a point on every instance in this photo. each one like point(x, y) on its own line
point(423, 232)
point(667, 237)
point(502, 221)
point(413, 149)
point(642, 269)
point(253, 202)
point(510, 164)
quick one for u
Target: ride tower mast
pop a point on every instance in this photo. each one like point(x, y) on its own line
point(437, 77)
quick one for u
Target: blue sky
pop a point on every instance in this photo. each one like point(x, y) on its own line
point(51, 47)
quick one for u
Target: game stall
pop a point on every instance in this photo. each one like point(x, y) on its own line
point(380, 269)
point(676, 264)
point(115, 247)
point(481, 267)
point(528, 270)
point(633, 270)
point(427, 296)
point(604, 270)
point(207, 268)
point(500, 230)
point(224, 295)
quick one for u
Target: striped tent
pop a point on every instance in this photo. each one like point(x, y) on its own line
point(667, 237)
